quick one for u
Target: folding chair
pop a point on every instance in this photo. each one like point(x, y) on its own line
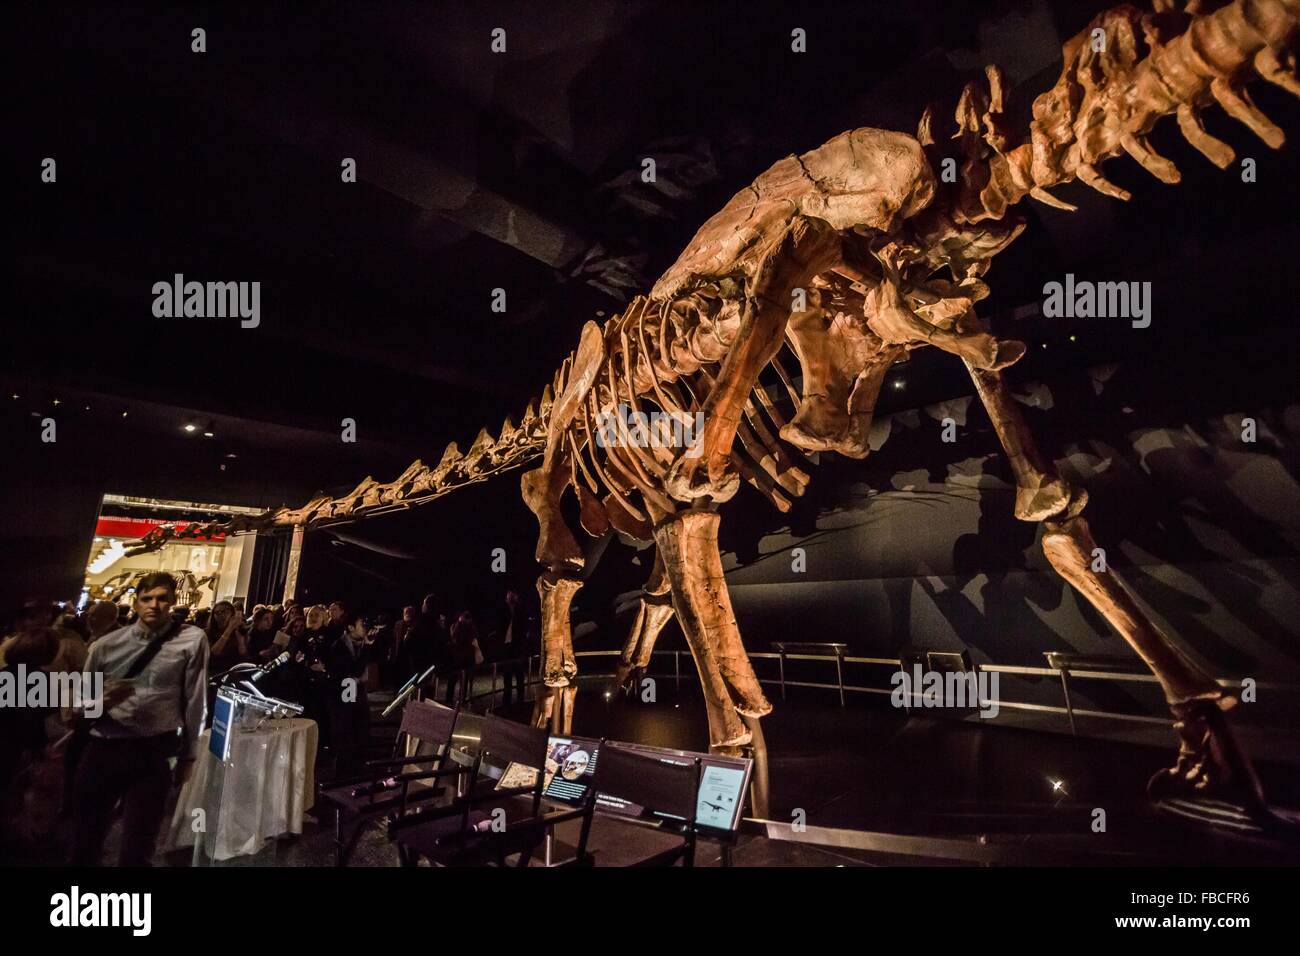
point(667, 788)
point(385, 786)
point(485, 824)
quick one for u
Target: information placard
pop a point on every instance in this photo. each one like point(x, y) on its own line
point(223, 716)
point(720, 798)
point(570, 765)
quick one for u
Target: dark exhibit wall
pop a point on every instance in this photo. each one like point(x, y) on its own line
point(450, 547)
point(917, 546)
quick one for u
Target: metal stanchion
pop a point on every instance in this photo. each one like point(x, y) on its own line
point(1069, 707)
point(839, 673)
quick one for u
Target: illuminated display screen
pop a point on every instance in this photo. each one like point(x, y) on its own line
point(570, 765)
point(719, 800)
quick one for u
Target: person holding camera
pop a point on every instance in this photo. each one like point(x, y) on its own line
point(228, 637)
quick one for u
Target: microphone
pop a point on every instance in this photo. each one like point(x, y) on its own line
point(270, 666)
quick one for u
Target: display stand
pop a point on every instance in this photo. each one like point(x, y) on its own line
point(235, 712)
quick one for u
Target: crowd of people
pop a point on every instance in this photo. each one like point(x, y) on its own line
point(56, 763)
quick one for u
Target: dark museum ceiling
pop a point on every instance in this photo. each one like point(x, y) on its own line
point(479, 171)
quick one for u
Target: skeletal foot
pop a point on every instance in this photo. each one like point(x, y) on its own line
point(1210, 763)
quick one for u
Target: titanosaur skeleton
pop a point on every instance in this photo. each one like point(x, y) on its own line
point(854, 254)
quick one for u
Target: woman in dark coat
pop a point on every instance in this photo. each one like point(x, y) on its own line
point(349, 706)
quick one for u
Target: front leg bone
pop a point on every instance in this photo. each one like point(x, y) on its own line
point(807, 249)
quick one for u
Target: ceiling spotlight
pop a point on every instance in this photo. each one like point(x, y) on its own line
point(58, 402)
point(1074, 338)
point(231, 455)
point(898, 383)
point(191, 427)
point(207, 434)
point(124, 414)
point(15, 396)
point(87, 408)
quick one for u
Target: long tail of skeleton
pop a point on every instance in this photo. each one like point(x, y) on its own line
point(487, 456)
point(761, 459)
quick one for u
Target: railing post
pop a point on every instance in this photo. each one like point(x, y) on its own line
point(781, 651)
point(839, 672)
point(1069, 707)
point(677, 666)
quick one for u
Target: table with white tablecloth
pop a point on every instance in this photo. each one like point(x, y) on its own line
point(270, 782)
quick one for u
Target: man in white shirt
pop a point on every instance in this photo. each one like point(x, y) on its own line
point(156, 715)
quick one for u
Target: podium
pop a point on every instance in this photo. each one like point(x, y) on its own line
point(241, 807)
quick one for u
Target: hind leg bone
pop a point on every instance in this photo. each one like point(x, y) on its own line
point(688, 542)
point(1209, 758)
point(655, 611)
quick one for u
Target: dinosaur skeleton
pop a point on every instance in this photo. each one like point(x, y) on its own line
point(854, 254)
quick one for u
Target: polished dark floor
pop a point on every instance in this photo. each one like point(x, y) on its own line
point(1024, 784)
point(1022, 792)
